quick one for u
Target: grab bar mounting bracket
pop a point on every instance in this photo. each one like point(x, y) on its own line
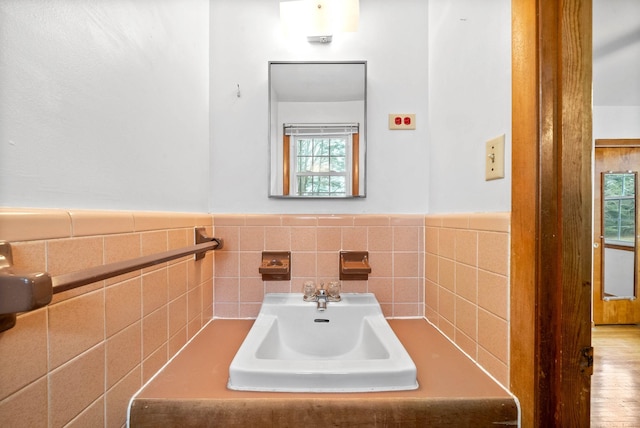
point(20, 292)
point(201, 238)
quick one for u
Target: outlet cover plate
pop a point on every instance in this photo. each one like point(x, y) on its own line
point(402, 121)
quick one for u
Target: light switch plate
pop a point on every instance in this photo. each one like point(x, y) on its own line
point(400, 121)
point(494, 158)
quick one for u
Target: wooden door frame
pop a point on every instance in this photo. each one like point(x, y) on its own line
point(551, 211)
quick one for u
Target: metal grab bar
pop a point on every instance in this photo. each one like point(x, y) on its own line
point(25, 292)
point(69, 281)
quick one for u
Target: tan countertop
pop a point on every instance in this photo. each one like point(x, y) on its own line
point(191, 390)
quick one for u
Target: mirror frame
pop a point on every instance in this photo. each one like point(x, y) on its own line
point(273, 138)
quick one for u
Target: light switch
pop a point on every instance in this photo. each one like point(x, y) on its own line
point(494, 158)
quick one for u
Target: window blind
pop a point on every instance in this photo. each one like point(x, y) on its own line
point(320, 128)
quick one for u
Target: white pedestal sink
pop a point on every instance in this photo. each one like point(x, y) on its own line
point(349, 347)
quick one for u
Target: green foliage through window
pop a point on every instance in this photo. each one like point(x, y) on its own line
point(619, 207)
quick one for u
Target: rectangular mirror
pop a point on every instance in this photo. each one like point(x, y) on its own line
point(317, 129)
point(619, 235)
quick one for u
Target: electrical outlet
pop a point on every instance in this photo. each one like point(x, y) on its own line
point(402, 121)
point(494, 158)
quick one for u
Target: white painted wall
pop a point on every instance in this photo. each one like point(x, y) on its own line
point(446, 61)
point(469, 103)
point(109, 105)
point(392, 38)
point(616, 122)
point(616, 67)
point(104, 104)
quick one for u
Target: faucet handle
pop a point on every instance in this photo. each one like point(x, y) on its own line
point(334, 291)
point(309, 290)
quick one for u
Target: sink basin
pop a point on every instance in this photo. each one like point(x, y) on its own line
point(349, 347)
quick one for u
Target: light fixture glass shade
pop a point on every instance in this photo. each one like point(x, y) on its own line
point(319, 17)
point(348, 15)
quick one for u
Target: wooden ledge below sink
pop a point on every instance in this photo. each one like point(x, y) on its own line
point(191, 390)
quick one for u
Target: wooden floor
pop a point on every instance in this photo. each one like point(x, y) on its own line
point(615, 385)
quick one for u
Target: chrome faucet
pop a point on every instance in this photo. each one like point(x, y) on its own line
point(322, 299)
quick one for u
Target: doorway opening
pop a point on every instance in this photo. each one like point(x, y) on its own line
point(615, 232)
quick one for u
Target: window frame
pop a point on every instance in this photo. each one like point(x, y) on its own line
point(346, 174)
point(618, 199)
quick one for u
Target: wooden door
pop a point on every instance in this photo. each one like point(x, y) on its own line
point(612, 155)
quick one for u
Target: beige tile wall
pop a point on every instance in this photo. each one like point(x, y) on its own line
point(467, 285)
point(78, 361)
point(396, 253)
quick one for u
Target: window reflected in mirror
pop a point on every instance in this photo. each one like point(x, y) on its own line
point(321, 160)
